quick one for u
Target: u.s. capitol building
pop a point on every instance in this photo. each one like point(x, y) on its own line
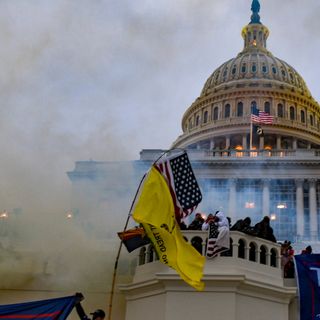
point(273, 174)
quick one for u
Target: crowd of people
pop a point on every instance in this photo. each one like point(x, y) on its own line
point(218, 227)
point(261, 229)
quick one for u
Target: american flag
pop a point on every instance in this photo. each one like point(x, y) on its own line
point(182, 183)
point(255, 114)
point(265, 117)
point(261, 116)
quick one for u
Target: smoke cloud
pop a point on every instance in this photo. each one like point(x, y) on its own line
point(101, 80)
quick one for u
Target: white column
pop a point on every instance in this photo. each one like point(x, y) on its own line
point(261, 143)
point(227, 142)
point(266, 197)
point(278, 142)
point(244, 142)
point(294, 144)
point(313, 209)
point(299, 209)
point(212, 146)
point(232, 200)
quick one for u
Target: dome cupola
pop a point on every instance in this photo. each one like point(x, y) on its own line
point(255, 34)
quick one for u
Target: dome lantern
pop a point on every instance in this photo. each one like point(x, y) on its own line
point(255, 34)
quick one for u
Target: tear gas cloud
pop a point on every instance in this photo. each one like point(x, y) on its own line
point(102, 80)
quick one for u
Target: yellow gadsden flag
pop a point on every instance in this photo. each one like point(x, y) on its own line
point(154, 208)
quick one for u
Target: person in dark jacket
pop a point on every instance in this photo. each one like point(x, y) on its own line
point(98, 314)
point(307, 250)
point(197, 223)
point(263, 230)
point(244, 225)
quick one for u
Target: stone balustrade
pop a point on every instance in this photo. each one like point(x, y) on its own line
point(242, 246)
point(217, 154)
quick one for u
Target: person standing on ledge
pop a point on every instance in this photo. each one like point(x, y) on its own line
point(96, 315)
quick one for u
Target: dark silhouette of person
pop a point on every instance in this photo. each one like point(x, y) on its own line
point(307, 250)
point(244, 225)
point(263, 230)
point(197, 223)
point(98, 314)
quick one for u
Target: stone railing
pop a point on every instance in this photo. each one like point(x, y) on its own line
point(250, 153)
point(242, 246)
point(224, 154)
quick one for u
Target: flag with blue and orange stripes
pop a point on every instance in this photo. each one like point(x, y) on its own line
point(52, 309)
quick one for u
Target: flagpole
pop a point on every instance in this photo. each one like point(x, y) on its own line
point(121, 241)
point(251, 129)
point(119, 251)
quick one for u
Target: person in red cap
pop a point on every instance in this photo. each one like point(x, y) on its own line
point(98, 314)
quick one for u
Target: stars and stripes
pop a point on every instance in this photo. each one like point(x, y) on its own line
point(262, 117)
point(255, 114)
point(182, 182)
point(258, 116)
point(265, 117)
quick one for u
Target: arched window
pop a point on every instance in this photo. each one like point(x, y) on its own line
point(280, 110)
point(253, 106)
point(205, 117)
point(196, 242)
point(244, 68)
point(215, 113)
point(267, 107)
point(263, 255)
point(227, 111)
point(234, 70)
point(254, 68)
point(311, 119)
point(264, 69)
point(302, 116)
point(274, 70)
point(240, 109)
point(197, 120)
point(252, 252)
point(292, 113)
point(241, 249)
point(273, 258)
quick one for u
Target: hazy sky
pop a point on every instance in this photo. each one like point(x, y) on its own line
point(103, 79)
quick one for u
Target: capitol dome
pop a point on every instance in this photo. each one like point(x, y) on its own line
point(221, 116)
point(254, 63)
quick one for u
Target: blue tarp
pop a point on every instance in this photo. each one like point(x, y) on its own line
point(58, 308)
